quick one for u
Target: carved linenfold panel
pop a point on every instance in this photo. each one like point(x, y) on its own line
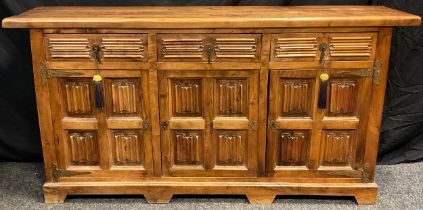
point(236, 47)
point(230, 148)
point(124, 96)
point(174, 48)
point(343, 95)
point(187, 148)
point(336, 147)
point(296, 47)
point(78, 99)
point(295, 97)
point(187, 97)
point(232, 97)
point(69, 48)
point(350, 46)
point(84, 148)
point(123, 48)
point(128, 148)
point(292, 149)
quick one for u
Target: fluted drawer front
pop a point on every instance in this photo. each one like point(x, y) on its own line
point(114, 47)
point(307, 47)
point(205, 47)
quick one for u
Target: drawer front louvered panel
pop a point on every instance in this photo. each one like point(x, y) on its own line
point(237, 47)
point(68, 48)
point(351, 46)
point(182, 47)
point(303, 50)
point(295, 47)
point(114, 47)
point(205, 47)
point(130, 47)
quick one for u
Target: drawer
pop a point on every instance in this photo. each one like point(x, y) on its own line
point(309, 47)
point(113, 47)
point(209, 47)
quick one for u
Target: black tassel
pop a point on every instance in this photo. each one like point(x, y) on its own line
point(323, 91)
point(98, 89)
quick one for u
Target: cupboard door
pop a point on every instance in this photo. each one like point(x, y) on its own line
point(111, 141)
point(208, 122)
point(307, 141)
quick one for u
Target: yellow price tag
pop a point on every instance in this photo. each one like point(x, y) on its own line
point(97, 78)
point(324, 77)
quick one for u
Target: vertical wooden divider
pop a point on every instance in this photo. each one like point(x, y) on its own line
point(262, 124)
point(154, 96)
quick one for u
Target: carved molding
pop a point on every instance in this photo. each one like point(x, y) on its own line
point(83, 148)
point(349, 46)
point(69, 48)
point(336, 147)
point(122, 48)
point(343, 95)
point(187, 97)
point(232, 97)
point(296, 47)
point(292, 148)
point(124, 97)
point(177, 48)
point(78, 99)
point(188, 148)
point(128, 147)
point(230, 148)
point(295, 97)
point(236, 48)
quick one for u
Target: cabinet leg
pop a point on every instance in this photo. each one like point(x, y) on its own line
point(158, 197)
point(264, 199)
point(54, 196)
point(368, 198)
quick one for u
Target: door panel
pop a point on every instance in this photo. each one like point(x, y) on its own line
point(208, 120)
point(315, 142)
point(109, 141)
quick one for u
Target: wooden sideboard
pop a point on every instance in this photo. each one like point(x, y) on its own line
point(258, 101)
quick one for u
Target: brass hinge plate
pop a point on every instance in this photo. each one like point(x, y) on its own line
point(57, 173)
point(358, 73)
point(46, 74)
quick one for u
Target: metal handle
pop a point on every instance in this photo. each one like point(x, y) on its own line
point(322, 48)
point(209, 52)
point(95, 48)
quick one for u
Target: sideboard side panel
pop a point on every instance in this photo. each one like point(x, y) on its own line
point(376, 104)
point(43, 103)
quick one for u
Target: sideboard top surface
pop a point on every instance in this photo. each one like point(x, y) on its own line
point(210, 17)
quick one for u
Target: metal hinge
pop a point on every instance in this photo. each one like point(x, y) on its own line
point(374, 72)
point(57, 173)
point(252, 125)
point(46, 74)
point(365, 173)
